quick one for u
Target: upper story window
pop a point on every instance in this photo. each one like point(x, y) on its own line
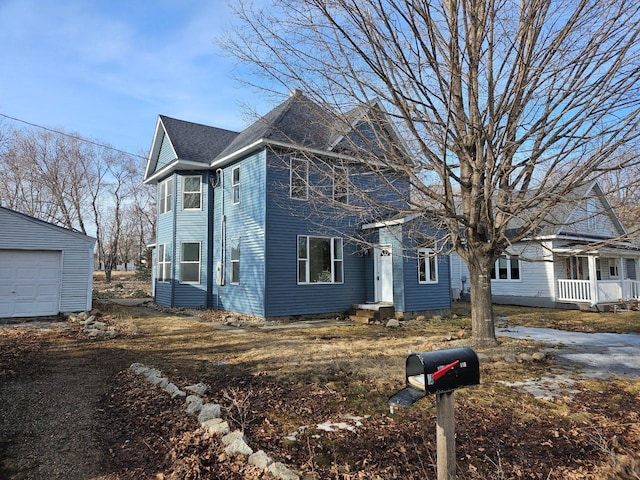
point(341, 184)
point(164, 262)
point(427, 266)
point(235, 185)
point(192, 192)
point(320, 260)
point(190, 262)
point(165, 196)
point(506, 268)
point(299, 179)
point(592, 211)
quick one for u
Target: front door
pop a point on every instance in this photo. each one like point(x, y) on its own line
point(383, 273)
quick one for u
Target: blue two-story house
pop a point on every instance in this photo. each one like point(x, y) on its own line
point(272, 221)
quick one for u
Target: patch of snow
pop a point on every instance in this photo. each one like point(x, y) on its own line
point(598, 355)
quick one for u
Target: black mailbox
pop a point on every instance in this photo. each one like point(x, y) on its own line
point(437, 372)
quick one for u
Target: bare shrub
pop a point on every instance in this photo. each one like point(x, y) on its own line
point(238, 406)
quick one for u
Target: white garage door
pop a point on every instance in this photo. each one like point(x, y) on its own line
point(29, 283)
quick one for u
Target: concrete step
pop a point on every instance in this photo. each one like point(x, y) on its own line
point(371, 311)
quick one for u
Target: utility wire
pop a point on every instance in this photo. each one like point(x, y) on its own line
point(75, 137)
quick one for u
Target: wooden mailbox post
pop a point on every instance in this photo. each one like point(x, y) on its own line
point(441, 373)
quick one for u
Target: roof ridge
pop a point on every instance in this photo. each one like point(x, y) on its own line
point(196, 123)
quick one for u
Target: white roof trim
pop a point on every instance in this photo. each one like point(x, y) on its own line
point(263, 142)
point(390, 223)
point(175, 165)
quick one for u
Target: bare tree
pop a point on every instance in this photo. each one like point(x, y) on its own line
point(625, 195)
point(78, 184)
point(48, 176)
point(119, 176)
point(506, 106)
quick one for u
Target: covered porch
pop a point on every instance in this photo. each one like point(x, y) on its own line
point(606, 276)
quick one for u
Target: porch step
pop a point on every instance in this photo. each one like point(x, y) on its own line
point(366, 313)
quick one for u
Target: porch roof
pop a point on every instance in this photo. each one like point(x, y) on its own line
point(604, 251)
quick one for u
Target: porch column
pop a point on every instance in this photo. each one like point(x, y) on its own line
point(593, 279)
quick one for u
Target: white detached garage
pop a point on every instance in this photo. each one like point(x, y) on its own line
point(44, 269)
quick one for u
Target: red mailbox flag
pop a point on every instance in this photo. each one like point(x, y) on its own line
point(439, 373)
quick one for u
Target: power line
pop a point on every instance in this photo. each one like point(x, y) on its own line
point(75, 137)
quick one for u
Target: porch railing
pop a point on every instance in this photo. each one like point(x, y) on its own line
point(609, 291)
point(632, 289)
point(574, 290)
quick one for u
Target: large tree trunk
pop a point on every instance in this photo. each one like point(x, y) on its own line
point(482, 323)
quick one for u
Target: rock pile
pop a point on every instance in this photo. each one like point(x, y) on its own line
point(209, 419)
point(92, 327)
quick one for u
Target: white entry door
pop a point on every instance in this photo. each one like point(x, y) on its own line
point(29, 283)
point(383, 273)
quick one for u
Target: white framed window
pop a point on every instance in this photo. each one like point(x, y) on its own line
point(235, 261)
point(192, 192)
point(190, 262)
point(235, 185)
point(164, 262)
point(427, 266)
point(506, 268)
point(165, 196)
point(320, 260)
point(299, 179)
point(592, 211)
point(577, 268)
point(613, 269)
point(341, 184)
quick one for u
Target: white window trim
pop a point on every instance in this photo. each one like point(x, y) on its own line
point(334, 260)
point(185, 192)
point(232, 261)
point(165, 206)
point(190, 262)
point(428, 254)
point(163, 264)
point(508, 279)
point(614, 271)
point(306, 180)
point(235, 186)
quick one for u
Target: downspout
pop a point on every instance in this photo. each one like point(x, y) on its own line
point(210, 238)
point(223, 229)
point(174, 213)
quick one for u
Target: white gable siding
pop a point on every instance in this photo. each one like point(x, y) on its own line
point(18, 232)
point(583, 222)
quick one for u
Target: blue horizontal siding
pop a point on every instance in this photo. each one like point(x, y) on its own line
point(165, 228)
point(427, 296)
point(191, 226)
point(286, 219)
point(244, 221)
point(166, 154)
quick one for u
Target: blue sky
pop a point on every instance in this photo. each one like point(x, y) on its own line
point(106, 69)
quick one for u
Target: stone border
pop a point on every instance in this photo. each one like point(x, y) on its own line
point(209, 418)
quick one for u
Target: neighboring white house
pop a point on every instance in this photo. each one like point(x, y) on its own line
point(44, 269)
point(558, 269)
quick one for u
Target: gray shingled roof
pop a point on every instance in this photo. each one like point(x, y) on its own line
point(196, 142)
point(298, 121)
